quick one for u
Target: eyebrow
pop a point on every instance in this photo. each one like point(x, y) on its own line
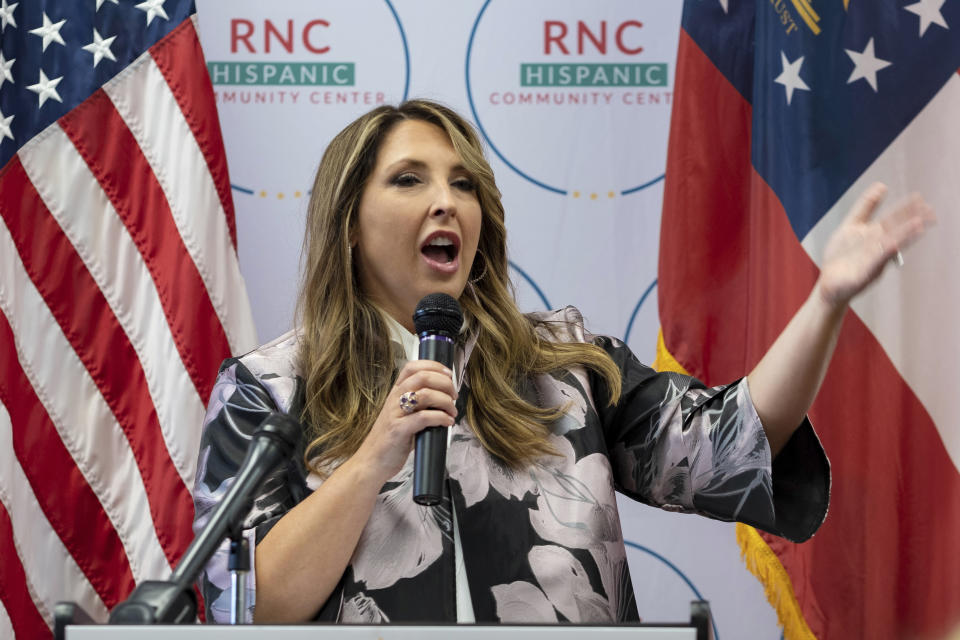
point(420, 164)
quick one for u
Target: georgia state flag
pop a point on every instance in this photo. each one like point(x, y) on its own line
point(786, 110)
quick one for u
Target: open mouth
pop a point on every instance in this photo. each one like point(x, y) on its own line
point(441, 247)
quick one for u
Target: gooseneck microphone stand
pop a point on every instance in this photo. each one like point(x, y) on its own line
point(173, 601)
point(239, 566)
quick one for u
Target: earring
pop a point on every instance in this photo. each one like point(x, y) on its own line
point(473, 281)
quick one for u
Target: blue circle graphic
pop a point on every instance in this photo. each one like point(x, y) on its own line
point(643, 186)
point(493, 147)
point(406, 82)
point(530, 281)
point(406, 49)
point(636, 310)
point(676, 570)
point(476, 116)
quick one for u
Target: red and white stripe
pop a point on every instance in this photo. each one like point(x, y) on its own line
point(6, 627)
point(39, 549)
point(120, 293)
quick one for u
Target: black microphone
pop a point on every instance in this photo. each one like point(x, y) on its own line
point(437, 321)
point(170, 601)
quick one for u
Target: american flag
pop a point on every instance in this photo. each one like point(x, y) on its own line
point(785, 110)
point(120, 293)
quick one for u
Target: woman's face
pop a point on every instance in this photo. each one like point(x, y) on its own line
point(418, 224)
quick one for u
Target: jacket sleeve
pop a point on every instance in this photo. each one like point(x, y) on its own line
point(679, 445)
point(238, 404)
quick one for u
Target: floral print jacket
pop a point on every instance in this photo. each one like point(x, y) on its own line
point(539, 545)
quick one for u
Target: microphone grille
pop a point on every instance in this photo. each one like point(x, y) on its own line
point(438, 313)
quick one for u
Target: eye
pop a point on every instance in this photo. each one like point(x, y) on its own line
point(406, 180)
point(465, 184)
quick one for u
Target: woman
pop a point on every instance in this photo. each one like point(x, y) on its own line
point(545, 419)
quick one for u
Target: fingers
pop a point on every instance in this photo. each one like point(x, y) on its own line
point(414, 367)
point(912, 208)
point(433, 409)
point(431, 399)
point(433, 385)
point(903, 235)
point(420, 420)
point(391, 437)
point(425, 374)
point(906, 223)
point(867, 203)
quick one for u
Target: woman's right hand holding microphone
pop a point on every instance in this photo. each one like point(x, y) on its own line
point(423, 396)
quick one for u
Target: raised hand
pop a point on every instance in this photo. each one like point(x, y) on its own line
point(862, 246)
point(785, 381)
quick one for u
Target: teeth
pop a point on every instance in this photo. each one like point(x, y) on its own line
point(440, 242)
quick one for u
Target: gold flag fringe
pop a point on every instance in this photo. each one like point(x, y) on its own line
point(763, 563)
point(664, 360)
point(759, 558)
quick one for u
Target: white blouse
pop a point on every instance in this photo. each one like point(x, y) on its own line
point(411, 347)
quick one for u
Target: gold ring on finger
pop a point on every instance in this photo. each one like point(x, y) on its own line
point(408, 402)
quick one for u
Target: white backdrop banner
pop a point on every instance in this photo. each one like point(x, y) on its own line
point(573, 100)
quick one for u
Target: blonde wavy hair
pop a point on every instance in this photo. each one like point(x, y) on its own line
point(346, 355)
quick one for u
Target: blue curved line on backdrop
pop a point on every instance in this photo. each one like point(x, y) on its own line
point(677, 571)
point(476, 117)
point(249, 192)
point(525, 276)
point(406, 83)
point(636, 309)
point(642, 186)
point(406, 49)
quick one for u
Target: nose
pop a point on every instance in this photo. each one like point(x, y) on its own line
point(444, 202)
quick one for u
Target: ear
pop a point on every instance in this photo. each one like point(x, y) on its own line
point(353, 231)
point(353, 236)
